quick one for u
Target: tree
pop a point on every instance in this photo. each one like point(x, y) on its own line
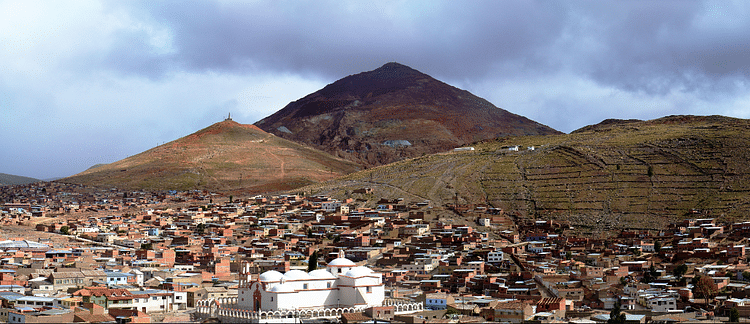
point(615, 316)
point(201, 228)
point(312, 263)
point(650, 275)
point(734, 315)
point(65, 230)
point(705, 288)
point(147, 246)
point(652, 272)
point(657, 246)
point(451, 311)
point(680, 271)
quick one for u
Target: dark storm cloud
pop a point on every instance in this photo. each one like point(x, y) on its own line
point(79, 77)
point(654, 47)
point(659, 46)
point(453, 39)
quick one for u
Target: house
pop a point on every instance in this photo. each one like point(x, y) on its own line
point(38, 302)
point(117, 278)
point(658, 303)
point(92, 313)
point(153, 300)
point(495, 256)
point(513, 311)
point(629, 318)
point(41, 286)
point(106, 297)
point(64, 280)
point(436, 301)
point(45, 316)
point(137, 278)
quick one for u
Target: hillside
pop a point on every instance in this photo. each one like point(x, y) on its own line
point(9, 180)
point(636, 174)
point(392, 113)
point(226, 156)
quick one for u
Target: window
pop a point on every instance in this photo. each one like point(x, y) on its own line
point(328, 285)
point(369, 289)
point(304, 286)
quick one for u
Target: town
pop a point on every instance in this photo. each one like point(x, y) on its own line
point(75, 254)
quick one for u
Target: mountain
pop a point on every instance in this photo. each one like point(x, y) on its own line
point(616, 174)
point(226, 156)
point(392, 113)
point(9, 180)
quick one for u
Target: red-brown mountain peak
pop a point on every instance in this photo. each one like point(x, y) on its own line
point(391, 113)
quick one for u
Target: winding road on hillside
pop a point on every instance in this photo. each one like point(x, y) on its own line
point(282, 163)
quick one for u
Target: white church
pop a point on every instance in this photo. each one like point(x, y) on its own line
point(341, 285)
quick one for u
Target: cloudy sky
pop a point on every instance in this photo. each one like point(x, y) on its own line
point(87, 82)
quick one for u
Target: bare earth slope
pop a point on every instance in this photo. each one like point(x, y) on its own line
point(225, 156)
point(634, 174)
point(392, 113)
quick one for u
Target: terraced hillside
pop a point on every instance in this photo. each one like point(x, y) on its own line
point(226, 156)
point(636, 174)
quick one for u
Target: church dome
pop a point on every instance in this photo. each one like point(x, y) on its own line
point(357, 272)
point(321, 274)
point(270, 276)
point(296, 275)
point(341, 262)
point(282, 288)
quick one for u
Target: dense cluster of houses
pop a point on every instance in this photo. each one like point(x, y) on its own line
point(135, 255)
